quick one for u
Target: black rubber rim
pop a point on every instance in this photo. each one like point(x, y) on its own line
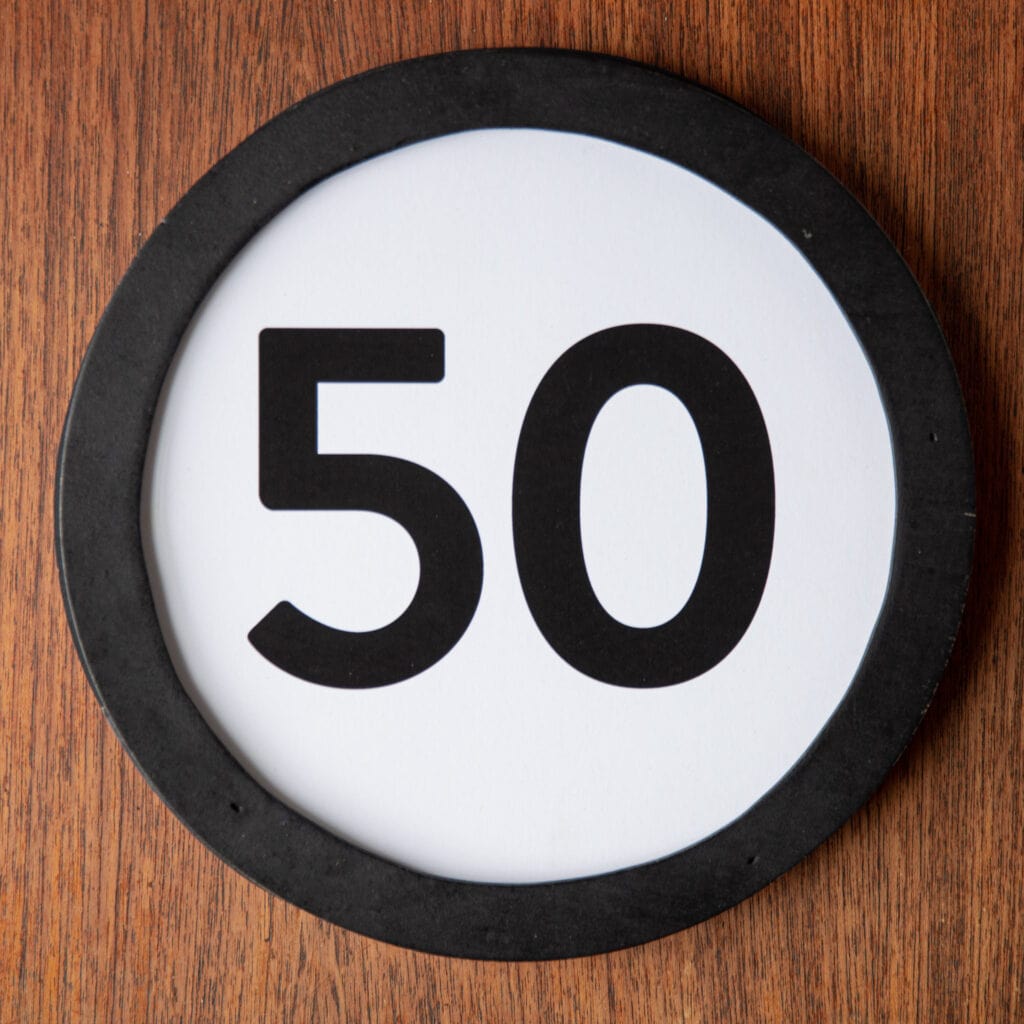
point(99, 481)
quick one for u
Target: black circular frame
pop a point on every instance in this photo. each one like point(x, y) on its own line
point(107, 590)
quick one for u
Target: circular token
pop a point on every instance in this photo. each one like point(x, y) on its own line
point(516, 505)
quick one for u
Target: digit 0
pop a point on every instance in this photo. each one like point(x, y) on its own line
point(740, 505)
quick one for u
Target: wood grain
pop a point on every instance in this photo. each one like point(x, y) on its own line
point(111, 911)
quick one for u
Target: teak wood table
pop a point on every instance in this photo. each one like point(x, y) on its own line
point(111, 910)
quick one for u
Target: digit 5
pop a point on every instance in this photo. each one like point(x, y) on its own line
point(293, 476)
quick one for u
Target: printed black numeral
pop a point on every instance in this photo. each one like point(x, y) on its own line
point(545, 506)
point(740, 505)
point(294, 476)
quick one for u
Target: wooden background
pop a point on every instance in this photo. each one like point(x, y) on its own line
point(111, 911)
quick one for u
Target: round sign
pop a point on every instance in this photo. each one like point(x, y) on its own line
point(516, 505)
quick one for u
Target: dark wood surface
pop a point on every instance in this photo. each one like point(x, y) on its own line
point(111, 911)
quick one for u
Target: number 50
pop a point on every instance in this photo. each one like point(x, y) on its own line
point(545, 505)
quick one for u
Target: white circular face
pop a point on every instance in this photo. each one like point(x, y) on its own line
point(501, 761)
